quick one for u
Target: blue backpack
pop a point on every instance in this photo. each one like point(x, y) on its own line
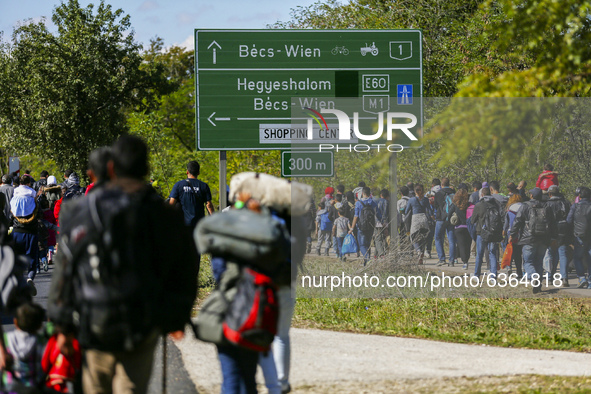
point(325, 222)
point(448, 205)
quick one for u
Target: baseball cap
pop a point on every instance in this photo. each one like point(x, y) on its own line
point(536, 193)
point(553, 189)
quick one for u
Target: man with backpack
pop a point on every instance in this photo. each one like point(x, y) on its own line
point(488, 221)
point(534, 227)
point(580, 218)
point(382, 226)
point(72, 185)
point(561, 208)
point(25, 215)
point(325, 220)
point(367, 213)
point(403, 228)
point(443, 203)
point(126, 272)
point(495, 191)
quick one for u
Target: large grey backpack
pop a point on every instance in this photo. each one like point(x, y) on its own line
point(255, 239)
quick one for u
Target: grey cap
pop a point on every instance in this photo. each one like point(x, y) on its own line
point(553, 189)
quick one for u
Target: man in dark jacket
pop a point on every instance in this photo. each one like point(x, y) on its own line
point(442, 198)
point(580, 218)
point(119, 329)
point(484, 241)
point(561, 208)
point(42, 182)
point(534, 227)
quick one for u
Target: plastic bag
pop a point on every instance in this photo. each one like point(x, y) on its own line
point(506, 262)
point(349, 244)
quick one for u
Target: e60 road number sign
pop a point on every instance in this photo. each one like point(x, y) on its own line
point(307, 164)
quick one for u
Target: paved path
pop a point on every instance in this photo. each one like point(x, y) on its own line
point(324, 357)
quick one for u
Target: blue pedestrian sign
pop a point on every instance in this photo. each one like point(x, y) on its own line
point(404, 94)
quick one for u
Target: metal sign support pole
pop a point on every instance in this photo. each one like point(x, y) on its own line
point(222, 188)
point(394, 238)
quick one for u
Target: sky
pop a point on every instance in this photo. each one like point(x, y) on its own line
point(174, 20)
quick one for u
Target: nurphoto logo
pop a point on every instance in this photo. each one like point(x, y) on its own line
point(346, 130)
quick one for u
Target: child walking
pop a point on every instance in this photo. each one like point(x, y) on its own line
point(341, 227)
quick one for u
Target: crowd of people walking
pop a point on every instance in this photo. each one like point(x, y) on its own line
point(125, 273)
point(546, 234)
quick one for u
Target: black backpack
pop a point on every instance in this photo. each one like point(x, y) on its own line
point(492, 225)
point(119, 295)
point(367, 218)
point(537, 222)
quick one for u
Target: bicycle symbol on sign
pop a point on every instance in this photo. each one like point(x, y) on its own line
point(342, 50)
point(369, 49)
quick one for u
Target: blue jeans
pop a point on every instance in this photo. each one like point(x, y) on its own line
point(239, 367)
point(581, 257)
point(533, 259)
point(337, 251)
point(492, 255)
point(364, 244)
point(281, 343)
point(339, 246)
point(556, 255)
point(267, 363)
point(27, 245)
point(441, 228)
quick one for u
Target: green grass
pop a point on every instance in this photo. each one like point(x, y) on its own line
point(560, 324)
point(522, 384)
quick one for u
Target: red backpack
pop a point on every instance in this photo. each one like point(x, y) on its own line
point(251, 318)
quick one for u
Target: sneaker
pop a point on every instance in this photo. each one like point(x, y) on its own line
point(441, 263)
point(583, 284)
point(318, 251)
point(45, 264)
point(285, 388)
point(465, 267)
point(426, 255)
point(344, 258)
point(452, 263)
point(565, 283)
point(537, 289)
point(32, 287)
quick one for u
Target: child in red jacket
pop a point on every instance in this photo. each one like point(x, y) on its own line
point(547, 178)
point(60, 369)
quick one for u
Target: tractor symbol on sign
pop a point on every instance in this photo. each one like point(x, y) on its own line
point(369, 49)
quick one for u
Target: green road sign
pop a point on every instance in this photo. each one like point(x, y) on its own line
point(247, 80)
point(307, 163)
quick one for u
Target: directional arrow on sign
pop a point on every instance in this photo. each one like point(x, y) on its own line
point(214, 51)
point(217, 119)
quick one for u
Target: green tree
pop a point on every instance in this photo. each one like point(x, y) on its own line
point(66, 93)
point(555, 37)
